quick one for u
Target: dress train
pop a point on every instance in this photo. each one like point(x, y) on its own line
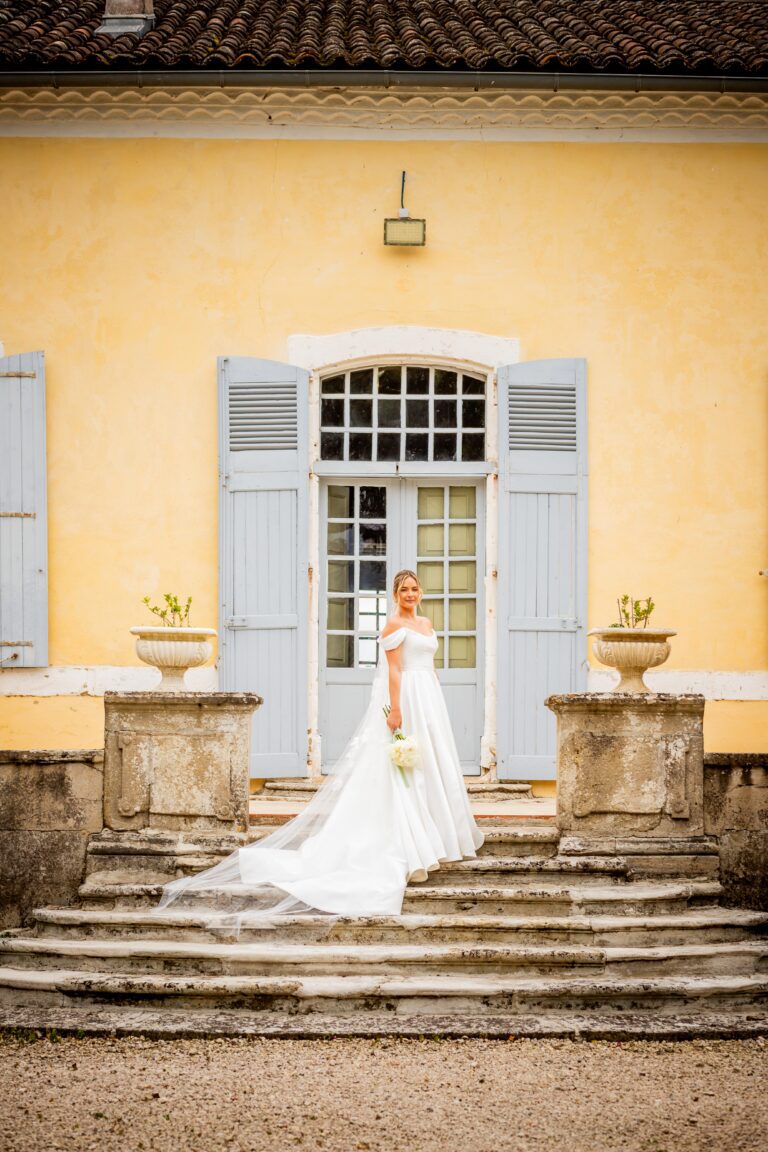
point(366, 832)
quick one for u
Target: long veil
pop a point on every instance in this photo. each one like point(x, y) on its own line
point(341, 855)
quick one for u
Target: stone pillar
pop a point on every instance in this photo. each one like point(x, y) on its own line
point(177, 760)
point(629, 766)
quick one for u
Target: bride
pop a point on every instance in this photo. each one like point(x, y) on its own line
point(369, 829)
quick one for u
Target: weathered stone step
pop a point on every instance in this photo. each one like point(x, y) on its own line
point(156, 858)
point(631, 898)
point(528, 840)
point(487, 813)
point(482, 870)
point(689, 856)
point(187, 958)
point(408, 996)
point(477, 788)
point(500, 859)
point(644, 1023)
point(258, 959)
point(495, 869)
point(710, 925)
point(506, 788)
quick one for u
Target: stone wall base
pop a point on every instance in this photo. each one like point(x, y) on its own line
point(50, 803)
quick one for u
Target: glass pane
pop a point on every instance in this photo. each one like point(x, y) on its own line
point(371, 613)
point(473, 413)
point(445, 382)
point(417, 413)
point(360, 445)
point(418, 380)
point(462, 615)
point(373, 576)
point(340, 540)
point(445, 446)
point(461, 503)
point(340, 576)
point(416, 447)
point(430, 503)
point(434, 611)
point(360, 413)
point(445, 413)
point(440, 654)
point(361, 381)
point(462, 576)
point(373, 539)
point(341, 502)
point(389, 413)
point(461, 540)
point(340, 615)
point(367, 652)
point(461, 651)
point(472, 447)
point(332, 386)
point(331, 446)
point(388, 446)
point(430, 540)
point(430, 577)
point(471, 386)
point(332, 412)
point(373, 503)
point(389, 381)
point(339, 651)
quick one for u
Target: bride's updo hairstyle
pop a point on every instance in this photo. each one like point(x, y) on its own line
point(400, 579)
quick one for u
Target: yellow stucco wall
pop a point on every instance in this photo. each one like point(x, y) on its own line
point(135, 263)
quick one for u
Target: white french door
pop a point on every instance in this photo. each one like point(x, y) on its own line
point(370, 528)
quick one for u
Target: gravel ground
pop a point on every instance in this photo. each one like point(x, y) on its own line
point(389, 1094)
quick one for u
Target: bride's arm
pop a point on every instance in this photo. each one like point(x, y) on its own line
point(394, 660)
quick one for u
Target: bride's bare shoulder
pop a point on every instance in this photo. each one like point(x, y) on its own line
point(392, 625)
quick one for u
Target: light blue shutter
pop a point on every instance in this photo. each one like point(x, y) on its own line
point(542, 568)
point(264, 567)
point(23, 513)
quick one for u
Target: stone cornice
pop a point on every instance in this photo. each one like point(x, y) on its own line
point(380, 114)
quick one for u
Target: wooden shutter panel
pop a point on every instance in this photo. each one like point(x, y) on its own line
point(23, 513)
point(264, 567)
point(542, 583)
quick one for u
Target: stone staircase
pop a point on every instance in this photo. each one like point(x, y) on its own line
point(542, 934)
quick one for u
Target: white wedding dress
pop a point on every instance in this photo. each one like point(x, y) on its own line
point(367, 831)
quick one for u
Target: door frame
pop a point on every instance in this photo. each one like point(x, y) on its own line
point(402, 519)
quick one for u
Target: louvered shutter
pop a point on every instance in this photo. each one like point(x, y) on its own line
point(264, 573)
point(542, 568)
point(23, 513)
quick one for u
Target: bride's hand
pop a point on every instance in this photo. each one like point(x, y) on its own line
point(395, 720)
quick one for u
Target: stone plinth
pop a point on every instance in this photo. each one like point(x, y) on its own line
point(630, 765)
point(177, 760)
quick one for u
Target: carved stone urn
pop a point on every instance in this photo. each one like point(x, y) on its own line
point(173, 651)
point(632, 651)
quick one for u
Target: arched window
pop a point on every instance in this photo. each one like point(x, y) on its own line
point(403, 412)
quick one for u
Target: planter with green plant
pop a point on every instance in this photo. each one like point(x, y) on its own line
point(630, 645)
point(172, 645)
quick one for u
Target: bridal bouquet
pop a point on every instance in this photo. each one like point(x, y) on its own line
point(403, 752)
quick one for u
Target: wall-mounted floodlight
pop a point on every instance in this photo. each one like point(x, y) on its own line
point(403, 230)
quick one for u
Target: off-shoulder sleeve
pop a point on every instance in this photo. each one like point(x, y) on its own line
point(394, 640)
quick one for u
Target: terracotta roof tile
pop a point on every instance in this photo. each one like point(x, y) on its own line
point(728, 36)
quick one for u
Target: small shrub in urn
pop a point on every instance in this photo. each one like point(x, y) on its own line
point(172, 645)
point(630, 646)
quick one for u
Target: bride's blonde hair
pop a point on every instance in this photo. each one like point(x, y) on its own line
point(400, 578)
